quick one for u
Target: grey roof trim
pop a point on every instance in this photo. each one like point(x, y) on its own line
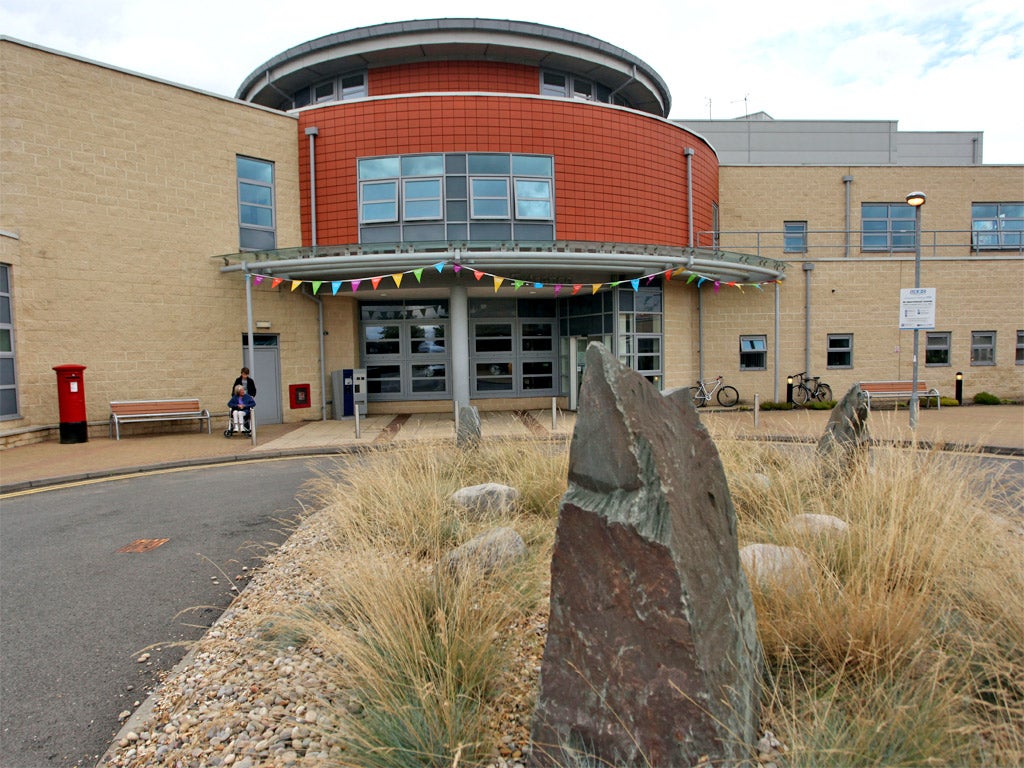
point(361, 47)
point(526, 260)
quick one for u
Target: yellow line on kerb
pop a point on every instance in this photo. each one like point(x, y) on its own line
point(147, 473)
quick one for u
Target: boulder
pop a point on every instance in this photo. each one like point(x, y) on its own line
point(819, 526)
point(486, 500)
point(774, 567)
point(494, 550)
point(652, 657)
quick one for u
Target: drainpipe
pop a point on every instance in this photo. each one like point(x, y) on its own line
point(775, 361)
point(847, 181)
point(808, 268)
point(312, 132)
point(700, 334)
point(689, 195)
point(323, 363)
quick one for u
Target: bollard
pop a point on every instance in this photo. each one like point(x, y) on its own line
point(757, 410)
point(959, 388)
point(789, 389)
point(554, 414)
point(357, 420)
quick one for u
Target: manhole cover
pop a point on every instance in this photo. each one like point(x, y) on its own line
point(143, 545)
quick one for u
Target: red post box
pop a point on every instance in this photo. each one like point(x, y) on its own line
point(71, 400)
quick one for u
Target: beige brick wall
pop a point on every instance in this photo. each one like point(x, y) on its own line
point(120, 191)
point(860, 293)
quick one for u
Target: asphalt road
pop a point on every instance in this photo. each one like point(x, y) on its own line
point(76, 614)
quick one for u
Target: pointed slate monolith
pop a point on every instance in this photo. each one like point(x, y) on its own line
point(652, 656)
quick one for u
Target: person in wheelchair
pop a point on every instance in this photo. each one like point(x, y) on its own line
point(240, 406)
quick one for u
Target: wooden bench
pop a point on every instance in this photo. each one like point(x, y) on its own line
point(129, 411)
point(898, 390)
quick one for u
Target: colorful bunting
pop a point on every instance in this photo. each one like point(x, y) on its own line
point(499, 280)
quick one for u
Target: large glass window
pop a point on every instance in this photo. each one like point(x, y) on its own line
point(8, 382)
point(405, 350)
point(256, 220)
point(456, 196)
point(887, 227)
point(512, 347)
point(839, 352)
point(936, 347)
point(998, 225)
point(753, 353)
point(640, 331)
point(983, 347)
point(350, 86)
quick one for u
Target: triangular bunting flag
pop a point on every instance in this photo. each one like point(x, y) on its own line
point(419, 274)
point(596, 287)
point(397, 277)
point(517, 284)
point(335, 285)
point(576, 288)
point(477, 274)
point(538, 285)
point(316, 286)
point(558, 288)
point(668, 274)
point(439, 266)
point(456, 268)
point(257, 279)
point(691, 278)
point(277, 281)
point(717, 284)
point(497, 282)
point(296, 284)
point(635, 282)
point(375, 281)
point(701, 282)
point(355, 285)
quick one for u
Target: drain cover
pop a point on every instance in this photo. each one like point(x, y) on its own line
point(143, 545)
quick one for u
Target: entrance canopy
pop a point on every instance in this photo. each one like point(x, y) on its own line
point(551, 267)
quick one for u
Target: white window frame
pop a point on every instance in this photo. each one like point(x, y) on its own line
point(408, 198)
point(938, 340)
point(752, 341)
point(244, 182)
point(528, 199)
point(363, 202)
point(831, 349)
point(473, 198)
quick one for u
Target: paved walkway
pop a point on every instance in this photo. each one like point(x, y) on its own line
point(997, 428)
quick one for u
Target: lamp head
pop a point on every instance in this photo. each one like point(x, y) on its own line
point(916, 199)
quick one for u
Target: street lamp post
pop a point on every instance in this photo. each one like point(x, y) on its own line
point(916, 199)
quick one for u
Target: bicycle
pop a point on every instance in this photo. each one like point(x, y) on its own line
point(807, 388)
point(726, 396)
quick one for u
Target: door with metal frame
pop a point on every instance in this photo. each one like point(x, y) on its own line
point(266, 372)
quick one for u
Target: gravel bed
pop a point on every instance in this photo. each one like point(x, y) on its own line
point(237, 701)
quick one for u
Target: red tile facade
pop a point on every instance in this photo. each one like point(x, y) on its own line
point(620, 176)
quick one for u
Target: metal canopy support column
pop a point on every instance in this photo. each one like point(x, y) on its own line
point(459, 309)
point(251, 345)
point(700, 334)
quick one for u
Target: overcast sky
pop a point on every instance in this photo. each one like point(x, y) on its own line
point(933, 65)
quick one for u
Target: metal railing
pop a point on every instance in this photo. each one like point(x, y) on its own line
point(838, 243)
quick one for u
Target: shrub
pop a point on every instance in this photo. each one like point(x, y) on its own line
point(771, 405)
point(986, 398)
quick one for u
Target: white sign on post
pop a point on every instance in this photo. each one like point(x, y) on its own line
point(917, 309)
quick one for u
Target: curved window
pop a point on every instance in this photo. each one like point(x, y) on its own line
point(483, 196)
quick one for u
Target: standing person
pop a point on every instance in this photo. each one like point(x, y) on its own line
point(246, 381)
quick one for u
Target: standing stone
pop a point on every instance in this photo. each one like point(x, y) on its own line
point(846, 435)
point(468, 435)
point(652, 657)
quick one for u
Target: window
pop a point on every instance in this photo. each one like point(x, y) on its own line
point(405, 349)
point(887, 227)
point(554, 84)
point(839, 353)
point(753, 353)
point(641, 330)
point(351, 86)
point(323, 92)
point(256, 228)
point(936, 348)
point(1020, 348)
point(997, 225)
point(456, 196)
point(794, 237)
point(488, 198)
point(8, 384)
point(714, 225)
point(983, 347)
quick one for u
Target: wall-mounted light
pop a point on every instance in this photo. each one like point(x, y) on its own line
point(263, 324)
